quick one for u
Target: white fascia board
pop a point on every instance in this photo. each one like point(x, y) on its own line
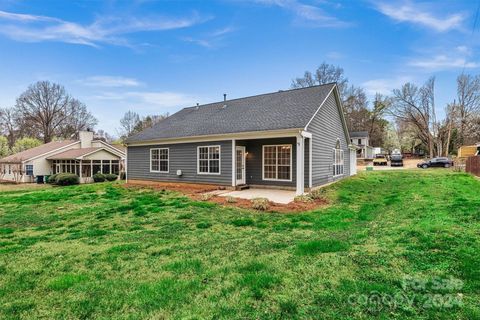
point(223, 137)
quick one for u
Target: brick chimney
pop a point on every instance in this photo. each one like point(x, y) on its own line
point(86, 138)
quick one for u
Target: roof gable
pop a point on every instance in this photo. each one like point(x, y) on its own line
point(288, 109)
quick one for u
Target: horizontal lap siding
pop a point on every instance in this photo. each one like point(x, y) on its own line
point(183, 157)
point(326, 128)
point(254, 160)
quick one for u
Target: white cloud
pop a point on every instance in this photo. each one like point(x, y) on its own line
point(212, 39)
point(442, 62)
point(305, 13)
point(110, 30)
point(149, 100)
point(416, 14)
point(110, 81)
point(384, 86)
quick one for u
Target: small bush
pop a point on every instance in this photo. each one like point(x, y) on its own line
point(52, 179)
point(98, 177)
point(206, 197)
point(111, 177)
point(317, 194)
point(67, 179)
point(230, 199)
point(260, 204)
point(303, 198)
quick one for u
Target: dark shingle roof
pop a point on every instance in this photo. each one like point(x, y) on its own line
point(272, 111)
point(358, 134)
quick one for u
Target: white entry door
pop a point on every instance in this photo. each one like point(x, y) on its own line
point(240, 165)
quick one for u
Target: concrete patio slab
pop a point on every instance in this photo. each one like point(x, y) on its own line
point(277, 196)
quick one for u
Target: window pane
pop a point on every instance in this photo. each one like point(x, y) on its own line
point(203, 153)
point(270, 172)
point(164, 165)
point(203, 166)
point(214, 153)
point(214, 166)
point(284, 172)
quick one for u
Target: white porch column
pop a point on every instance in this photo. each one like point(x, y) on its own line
point(310, 162)
point(80, 173)
point(300, 164)
point(234, 163)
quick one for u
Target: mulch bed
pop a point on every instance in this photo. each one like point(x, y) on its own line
point(195, 191)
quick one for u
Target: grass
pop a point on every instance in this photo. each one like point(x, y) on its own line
point(102, 251)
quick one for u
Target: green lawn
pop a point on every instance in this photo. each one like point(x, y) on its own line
point(402, 244)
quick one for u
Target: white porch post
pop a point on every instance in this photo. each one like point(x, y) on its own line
point(310, 162)
point(300, 164)
point(80, 169)
point(234, 162)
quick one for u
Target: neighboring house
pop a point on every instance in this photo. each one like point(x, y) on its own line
point(83, 157)
point(361, 140)
point(294, 139)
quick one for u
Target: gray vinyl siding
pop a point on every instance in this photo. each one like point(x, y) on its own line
point(254, 175)
point(326, 128)
point(182, 156)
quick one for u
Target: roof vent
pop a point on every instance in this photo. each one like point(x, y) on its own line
point(197, 106)
point(224, 97)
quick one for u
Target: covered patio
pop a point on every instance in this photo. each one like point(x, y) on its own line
point(86, 162)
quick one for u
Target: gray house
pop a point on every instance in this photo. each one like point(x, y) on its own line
point(294, 139)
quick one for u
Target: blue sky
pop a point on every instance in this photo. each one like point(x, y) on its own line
point(160, 56)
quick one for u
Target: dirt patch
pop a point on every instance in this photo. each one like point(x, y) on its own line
point(272, 206)
point(185, 188)
point(195, 191)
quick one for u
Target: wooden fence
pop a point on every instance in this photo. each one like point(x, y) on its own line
point(473, 165)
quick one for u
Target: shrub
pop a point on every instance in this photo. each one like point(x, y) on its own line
point(317, 194)
point(67, 179)
point(303, 198)
point(231, 199)
point(260, 204)
point(206, 196)
point(111, 177)
point(52, 179)
point(98, 177)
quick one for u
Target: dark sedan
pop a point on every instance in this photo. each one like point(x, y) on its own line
point(436, 162)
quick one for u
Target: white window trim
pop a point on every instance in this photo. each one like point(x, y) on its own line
point(168, 160)
point(219, 160)
point(335, 161)
point(276, 165)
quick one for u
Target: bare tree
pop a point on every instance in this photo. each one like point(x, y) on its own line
point(8, 125)
point(325, 73)
point(128, 123)
point(49, 111)
point(417, 106)
point(468, 106)
point(80, 119)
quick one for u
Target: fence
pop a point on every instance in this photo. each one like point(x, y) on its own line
point(473, 165)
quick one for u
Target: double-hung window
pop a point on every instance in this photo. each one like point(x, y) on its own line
point(338, 161)
point(29, 170)
point(277, 162)
point(208, 160)
point(159, 159)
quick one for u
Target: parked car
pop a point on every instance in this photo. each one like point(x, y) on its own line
point(436, 162)
point(380, 160)
point(396, 160)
